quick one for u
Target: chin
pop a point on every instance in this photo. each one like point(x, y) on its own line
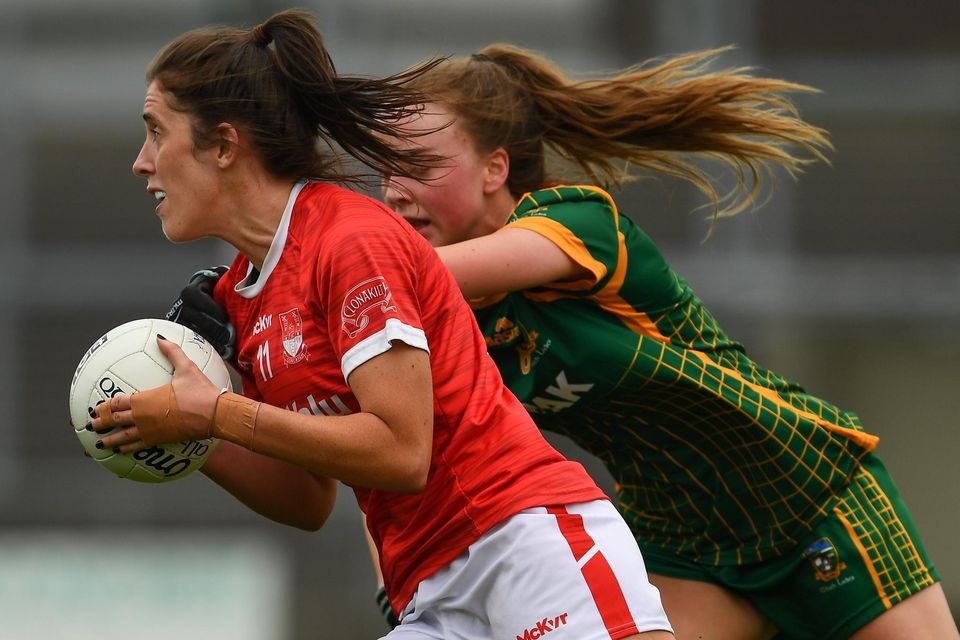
point(177, 236)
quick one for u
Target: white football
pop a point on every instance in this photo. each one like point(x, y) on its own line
point(125, 360)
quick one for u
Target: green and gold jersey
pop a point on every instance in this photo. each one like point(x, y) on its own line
point(714, 457)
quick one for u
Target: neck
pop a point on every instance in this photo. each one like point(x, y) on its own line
point(254, 208)
point(497, 208)
point(500, 205)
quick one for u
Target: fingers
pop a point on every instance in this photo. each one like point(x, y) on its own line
point(173, 352)
point(111, 413)
point(115, 417)
point(125, 440)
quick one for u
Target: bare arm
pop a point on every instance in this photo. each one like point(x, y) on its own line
point(507, 260)
point(275, 489)
point(387, 445)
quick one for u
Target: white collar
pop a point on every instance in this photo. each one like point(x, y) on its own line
point(275, 251)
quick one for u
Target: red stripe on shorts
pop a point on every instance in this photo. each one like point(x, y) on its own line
point(599, 576)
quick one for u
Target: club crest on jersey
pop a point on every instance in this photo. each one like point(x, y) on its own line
point(291, 326)
point(826, 563)
point(523, 339)
point(362, 300)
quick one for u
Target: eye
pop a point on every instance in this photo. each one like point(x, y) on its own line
point(155, 132)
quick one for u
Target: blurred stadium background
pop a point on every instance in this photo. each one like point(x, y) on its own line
point(848, 280)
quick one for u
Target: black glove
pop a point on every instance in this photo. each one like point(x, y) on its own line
point(386, 609)
point(196, 309)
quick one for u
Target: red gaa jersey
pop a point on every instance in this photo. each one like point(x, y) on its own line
point(343, 278)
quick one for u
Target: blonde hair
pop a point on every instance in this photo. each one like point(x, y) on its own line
point(659, 116)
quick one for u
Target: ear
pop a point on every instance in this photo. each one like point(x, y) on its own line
point(496, 170)
point(228, 144)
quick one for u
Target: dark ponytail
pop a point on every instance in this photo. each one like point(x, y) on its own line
point(278, 85)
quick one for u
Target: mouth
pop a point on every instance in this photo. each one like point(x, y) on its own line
point(417, 223)
point(159, 196)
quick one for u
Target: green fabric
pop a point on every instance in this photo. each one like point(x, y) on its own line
point(857, 563)
point(715, 458)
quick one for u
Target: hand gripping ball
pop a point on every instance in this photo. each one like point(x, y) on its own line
point(126, 360)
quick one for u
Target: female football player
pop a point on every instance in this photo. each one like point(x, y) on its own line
point(758, 507)
point(360, 360)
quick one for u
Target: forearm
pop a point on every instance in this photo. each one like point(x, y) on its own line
point(275, 489)
point(358, 449)
point(386, 445)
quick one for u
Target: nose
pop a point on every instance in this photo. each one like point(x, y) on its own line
point(395, 195)
point(143, 165)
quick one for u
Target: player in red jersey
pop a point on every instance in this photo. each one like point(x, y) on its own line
point(360, 359)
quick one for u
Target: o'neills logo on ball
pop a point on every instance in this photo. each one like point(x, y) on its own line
point(361, 300)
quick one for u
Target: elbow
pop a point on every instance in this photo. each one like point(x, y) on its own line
point(307, 521)
point(413, 479)
point(410, 469)
point(315, 512)
point(311, 522)
point(417, 483)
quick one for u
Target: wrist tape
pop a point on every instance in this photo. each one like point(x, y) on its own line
point(235, 419)
point(157, 415)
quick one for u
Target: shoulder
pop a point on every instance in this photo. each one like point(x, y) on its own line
point(333, 200)
point(580, 211)
point(330, 214)
point(341, 230)
point(582, 218)
point(565, 201)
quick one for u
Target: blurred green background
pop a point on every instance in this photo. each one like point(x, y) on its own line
point(848, 280)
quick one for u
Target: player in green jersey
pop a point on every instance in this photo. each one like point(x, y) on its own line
point(759, 508)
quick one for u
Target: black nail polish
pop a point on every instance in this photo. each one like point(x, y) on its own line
point(99, 444)
point(116, 449)
point(89, 427)
point(161, 337)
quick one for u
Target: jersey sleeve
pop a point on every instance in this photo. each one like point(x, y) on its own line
point(583, 224)
point(366, 277)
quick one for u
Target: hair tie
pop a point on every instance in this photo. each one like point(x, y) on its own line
point(260, 36)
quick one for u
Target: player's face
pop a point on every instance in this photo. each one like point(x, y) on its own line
point(449, 206)
point(182, 177)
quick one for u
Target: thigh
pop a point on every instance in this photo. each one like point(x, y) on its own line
point(923, 615)
point(858, 563)
point(699, 609)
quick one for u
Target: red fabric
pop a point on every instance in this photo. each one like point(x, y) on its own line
point(599, 576)
point(343, 254)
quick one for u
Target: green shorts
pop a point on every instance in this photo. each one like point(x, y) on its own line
point(862, 559)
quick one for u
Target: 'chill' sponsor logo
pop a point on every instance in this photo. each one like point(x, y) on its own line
point(544, 627)
point(332, 406)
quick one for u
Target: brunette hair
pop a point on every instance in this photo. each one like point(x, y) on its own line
point(659, 116)
point(277, 84)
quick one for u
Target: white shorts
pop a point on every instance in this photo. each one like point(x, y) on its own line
point(558, 573)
